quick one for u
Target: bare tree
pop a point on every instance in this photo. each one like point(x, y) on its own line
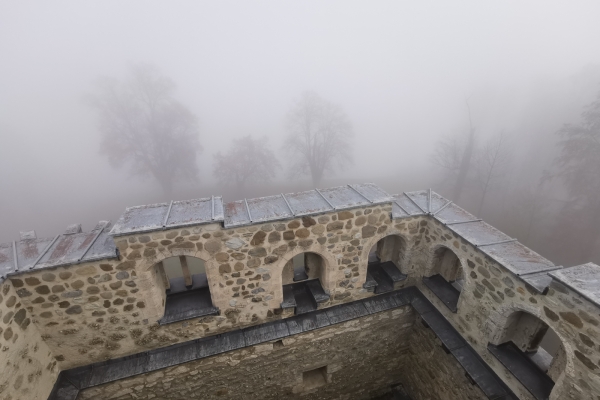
point(144, 127)
point(455, 155)
point(578, 165)
point(492, 165)
point(248, 160)
point(319, 136)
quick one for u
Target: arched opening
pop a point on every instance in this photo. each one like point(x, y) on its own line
point(302, 279)
point(186, 287)
point(532, 351)
point(384, 261)
point(446, 278)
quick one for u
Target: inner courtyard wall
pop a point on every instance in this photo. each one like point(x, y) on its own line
point(360, 359)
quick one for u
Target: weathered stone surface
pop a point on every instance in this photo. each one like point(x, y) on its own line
point(258, 252)
point(343, 215)
point(258, 238)
point(334, 226)
point(368, 231)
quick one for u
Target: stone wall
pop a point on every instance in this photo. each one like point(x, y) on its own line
point(430, 373)
point(96, 311)
point(27, 368)
point(492, 294)
point(358, 359)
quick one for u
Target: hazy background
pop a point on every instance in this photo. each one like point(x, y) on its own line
point(401, 71)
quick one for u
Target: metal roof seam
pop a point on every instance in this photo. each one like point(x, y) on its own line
point(537, 271)
point(462, 222)
point(248, 209)
point(429, 201)
point(167, 214)
point(402, 208)
point(499, 242)
point(212, 208)
point(91, 244)
point(357, 191)
point(288, 204)
point(414, 202)
point(44, 252)
point(324, 198)
point(439, 210)
point(15, 256)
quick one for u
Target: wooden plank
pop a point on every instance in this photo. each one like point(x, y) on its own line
point(163, 275)
point(186, 271)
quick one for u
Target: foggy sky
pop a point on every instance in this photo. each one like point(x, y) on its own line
point(400, 70)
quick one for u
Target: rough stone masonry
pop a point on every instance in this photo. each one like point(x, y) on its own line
point(60, 312)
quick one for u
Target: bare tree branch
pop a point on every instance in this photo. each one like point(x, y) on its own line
point(144, 127)
point(248, 160)
point(319, 137)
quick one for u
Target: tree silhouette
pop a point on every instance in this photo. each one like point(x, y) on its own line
point(319, 136)
point(247, 160)
point(578, 165)
point(492, 165)
point(145, 128)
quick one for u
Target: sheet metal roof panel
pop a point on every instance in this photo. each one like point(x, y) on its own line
point(190, 212)
point(28, 251)
point(307, 203)
point(219, 215)
point(342, 197)
point(479, 233)
point(236, 214)
point(103, 248)
point(454, 213)
point(397, 212)
point(584, 279)
point(437, 202)
point(141, 219)
point(7, 264)
point(269, 208)
point(373, 192)
point(407, 204)
point(68, 249)
point(517, 258)
point(420, 197)
point(539, 281)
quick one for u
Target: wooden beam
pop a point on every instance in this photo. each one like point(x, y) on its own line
point(161, 271)
point(186, 271)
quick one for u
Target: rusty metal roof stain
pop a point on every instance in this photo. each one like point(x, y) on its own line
point(64, 249)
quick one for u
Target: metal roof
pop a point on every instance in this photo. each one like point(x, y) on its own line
point(175, 214)
point(283, 206)
point(65, 249)
point(584, 279)
point(514, 256)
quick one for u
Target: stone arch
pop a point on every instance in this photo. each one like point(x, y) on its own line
point(329, 262)
point(152, 282)
point(525, 326)
point(444, 261)
point(369, 243)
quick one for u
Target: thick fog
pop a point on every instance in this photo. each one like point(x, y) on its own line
point(409, 76)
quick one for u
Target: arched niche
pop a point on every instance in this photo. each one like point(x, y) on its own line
point(187, 292)
point(446, 277)
point(302, 267)
point(303, 277)
point(447, 264)
point(389, 248)
point(529, 348)
point(384, 262)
